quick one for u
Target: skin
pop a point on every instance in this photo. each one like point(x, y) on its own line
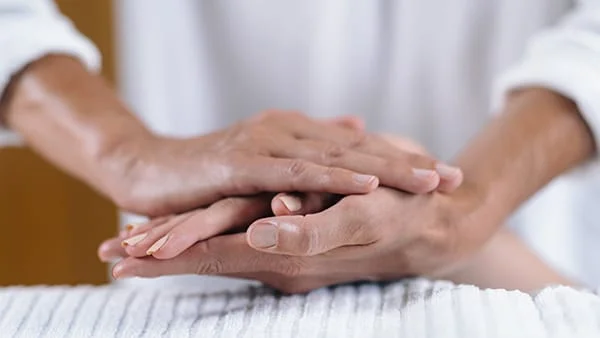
point(504, 262)
point(56, 104)
point(169, 237)
point(388, 234)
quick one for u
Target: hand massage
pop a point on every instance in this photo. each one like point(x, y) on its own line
point(319, 169)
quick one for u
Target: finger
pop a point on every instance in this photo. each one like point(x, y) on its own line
point(301, 203)
point(222, 216)
point(310, 235)
point(348, 121)
point(305, 128)
point(417, 174)
point(216, 256)
point(402, 170)
point(111, 250)
point(142, 227)
point(145, 243)
point(259, 174)
point(138, 245)
point(450, 177)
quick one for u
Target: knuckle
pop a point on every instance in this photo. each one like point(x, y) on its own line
point(297, 167)
point(440, 239)
point(210, 267)
point(360, 222)
point(207, 263)
point(309, 241)
point(419, 160)
point(358, 139)
point(331, 152)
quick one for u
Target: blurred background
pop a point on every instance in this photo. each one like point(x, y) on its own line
point(51, 223)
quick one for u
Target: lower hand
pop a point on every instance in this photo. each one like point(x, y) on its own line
point(380, 236)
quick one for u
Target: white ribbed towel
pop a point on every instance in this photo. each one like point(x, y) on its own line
point(413, 308)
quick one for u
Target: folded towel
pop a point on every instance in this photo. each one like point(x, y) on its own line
point(412, 308)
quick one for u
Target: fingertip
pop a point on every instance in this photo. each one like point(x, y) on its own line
point(450, 177)
point(448, 186)
point(278, 207)
point(103, 252)
point(367, 182)
point(262, 235)
point(110, 250)
point(168, 251)
point(426, 180)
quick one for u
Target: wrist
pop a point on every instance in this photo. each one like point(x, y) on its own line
point(119, 163)
point(472, 215)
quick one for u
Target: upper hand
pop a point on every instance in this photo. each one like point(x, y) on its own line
point(273, 152)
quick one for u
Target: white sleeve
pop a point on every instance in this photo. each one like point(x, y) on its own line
point(564, 58)
point(31, 29)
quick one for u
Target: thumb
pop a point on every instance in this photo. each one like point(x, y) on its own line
point(308, 235)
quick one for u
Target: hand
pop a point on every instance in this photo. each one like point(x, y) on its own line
point(380, 236)
point(167, 237)
point(275, 152)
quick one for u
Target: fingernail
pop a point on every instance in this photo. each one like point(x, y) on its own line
point(292, 203)
point(156, 246)
point(134, 240)
point(263, 235)
point(364, 179)
point(424, 174)
point(446, 171)
point(132, 226)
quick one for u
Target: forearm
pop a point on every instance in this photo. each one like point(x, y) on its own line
point(70, 117)
point(539, 136)
point(506, 262)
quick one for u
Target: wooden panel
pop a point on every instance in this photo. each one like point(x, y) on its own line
point(52, 224)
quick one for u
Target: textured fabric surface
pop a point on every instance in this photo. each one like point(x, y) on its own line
point(416, 308)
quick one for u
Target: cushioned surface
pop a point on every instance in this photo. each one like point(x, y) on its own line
point(415, 308)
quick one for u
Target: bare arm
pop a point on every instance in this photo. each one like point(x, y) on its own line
point(75, 120)
point(539, 136)
point(69, 116)
point(506, 262)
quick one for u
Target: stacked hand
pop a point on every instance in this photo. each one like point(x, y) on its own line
point(273, 152)
point(381, 235)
